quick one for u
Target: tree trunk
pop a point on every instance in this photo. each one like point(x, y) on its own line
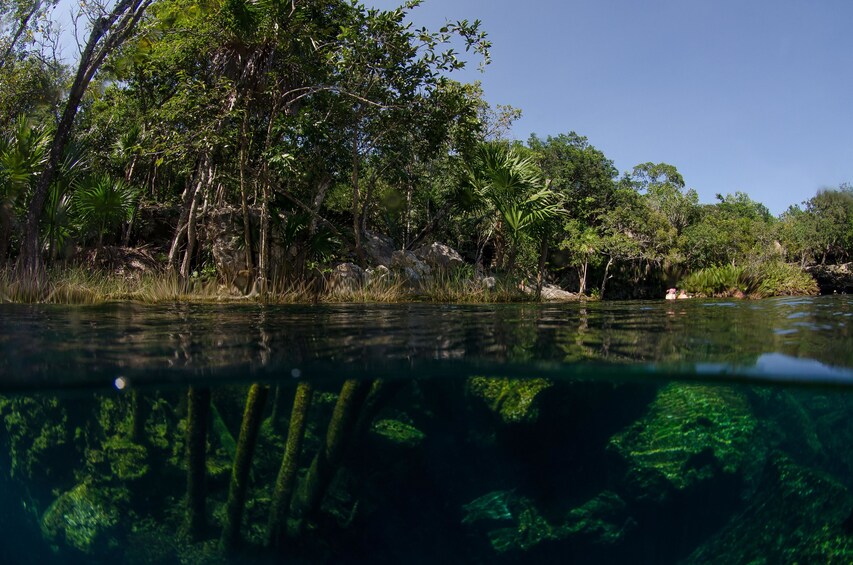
point(5, 230)
point(247, 223)
point(22, 26)
point(198, 402)
point(127, 176)
point(605, 278)
point(238, 487)
point(356, 200)
point(543, 257)
point(326, 462)
point(289, 464)
point(107, 34)
point(204, 181)
point(322, 188)
point(188, 198)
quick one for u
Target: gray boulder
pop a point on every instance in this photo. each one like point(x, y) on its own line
point(415, 270)
point(439, 256)
point(346, 277)
point(379, 248)
point(833, 278)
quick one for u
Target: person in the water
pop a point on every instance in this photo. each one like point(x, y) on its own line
point(674, 293)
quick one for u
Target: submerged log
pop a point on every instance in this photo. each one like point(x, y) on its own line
point(198, 404)
point(289, 464)
point(238, 487)
point(328, 458)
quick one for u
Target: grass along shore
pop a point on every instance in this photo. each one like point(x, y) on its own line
point(82, 285)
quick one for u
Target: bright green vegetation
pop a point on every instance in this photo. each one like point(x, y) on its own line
point(638, 469)
point(772, 278)
point(264, 143)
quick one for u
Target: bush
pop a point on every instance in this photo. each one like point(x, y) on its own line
point(760, 280)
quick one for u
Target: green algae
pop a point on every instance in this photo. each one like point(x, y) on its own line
point(798, 515)
point(83, 518)
point(690, 433)
point(398, 432)
point(511, 400)
point(603, 520)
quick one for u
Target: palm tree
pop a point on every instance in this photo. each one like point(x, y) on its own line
point(101, 204)
point(502, 180)
point(22, 156)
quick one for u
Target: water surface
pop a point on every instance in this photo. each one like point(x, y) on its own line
point(616, 432)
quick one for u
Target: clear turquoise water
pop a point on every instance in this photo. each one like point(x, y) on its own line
point(633, 432)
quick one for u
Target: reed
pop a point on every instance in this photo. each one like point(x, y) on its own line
point(83, 285)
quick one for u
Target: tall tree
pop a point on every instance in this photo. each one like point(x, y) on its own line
point(109, 29)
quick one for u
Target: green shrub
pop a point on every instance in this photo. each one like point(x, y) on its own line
point(759, 280)
point(723, 280)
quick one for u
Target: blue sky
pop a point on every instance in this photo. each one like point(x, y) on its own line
point(755, 96)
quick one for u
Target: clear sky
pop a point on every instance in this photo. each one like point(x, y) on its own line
point(748, 95)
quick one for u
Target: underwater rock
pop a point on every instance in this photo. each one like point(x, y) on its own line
point(512, 400)
point(491, 506)
point(398, 433)
point(84, 519)
point(691, 434)
point(518, 525)
point(602, 520)
point(797, 516)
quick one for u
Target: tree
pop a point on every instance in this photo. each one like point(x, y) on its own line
point(832, 214)
point(109, 30)
point(664, 189)
point(502, 180)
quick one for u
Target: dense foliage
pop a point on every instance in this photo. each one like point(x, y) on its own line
point(298, 130)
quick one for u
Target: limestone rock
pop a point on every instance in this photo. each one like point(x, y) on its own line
point(415, 270)
point(377, 275)
point(833, 278)
point(82, 518)
point(512, 400)
point(691, 435)
point(346, 277)
point(397, 432)
point(554, 293)
point(439, 256)
point(379, 248)
point(796, 516)
point(224, 230)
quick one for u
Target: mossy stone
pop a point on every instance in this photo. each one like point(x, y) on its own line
point(797, 515)
point(398, 433)
point(84, 519)
point(512, 400)
point(690, 433)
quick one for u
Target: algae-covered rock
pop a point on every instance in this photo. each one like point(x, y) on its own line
point(796, 516)
point(691, 433)
point(83, 518)
point(127, 461)
point(514, 523)
point(398, 433)
point(512, 400)
point(602, 520)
